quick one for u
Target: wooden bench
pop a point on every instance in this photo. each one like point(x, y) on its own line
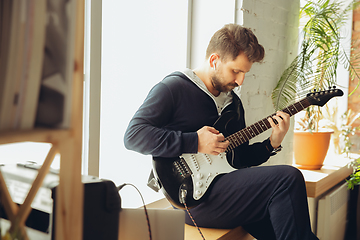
point(191, 232)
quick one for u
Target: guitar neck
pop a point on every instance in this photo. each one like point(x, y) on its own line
point(261, 126)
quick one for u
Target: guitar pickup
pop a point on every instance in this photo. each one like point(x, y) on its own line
point(182, 168)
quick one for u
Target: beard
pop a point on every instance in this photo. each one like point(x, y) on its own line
point(218, 83)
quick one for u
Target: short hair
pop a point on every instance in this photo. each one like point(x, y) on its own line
point(231, 40)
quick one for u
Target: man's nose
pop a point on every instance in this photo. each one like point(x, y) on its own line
point(240, 79)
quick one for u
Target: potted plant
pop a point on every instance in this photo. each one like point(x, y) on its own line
point(315, 67)
point(311, 143)
point(328, 124)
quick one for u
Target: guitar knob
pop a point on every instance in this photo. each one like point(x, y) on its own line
point(199, 184)
point(199, 176)
point(197, 192)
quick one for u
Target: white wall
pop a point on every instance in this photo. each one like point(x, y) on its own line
point(208, 16)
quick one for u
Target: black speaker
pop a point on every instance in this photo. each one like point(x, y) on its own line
point(102, 202)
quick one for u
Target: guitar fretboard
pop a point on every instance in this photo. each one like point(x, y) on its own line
point(261, 126)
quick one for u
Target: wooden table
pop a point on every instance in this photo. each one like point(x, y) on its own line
point(334, 171)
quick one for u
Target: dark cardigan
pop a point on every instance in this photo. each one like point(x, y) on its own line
point(166, 123)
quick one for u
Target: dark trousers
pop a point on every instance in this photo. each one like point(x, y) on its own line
point(270, 202)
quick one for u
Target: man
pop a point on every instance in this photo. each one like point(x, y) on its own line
point(177, 118)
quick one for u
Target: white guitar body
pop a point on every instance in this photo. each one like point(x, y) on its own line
point(204, 169)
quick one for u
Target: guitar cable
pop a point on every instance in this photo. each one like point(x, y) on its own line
point(146, 212)
point(183, 194)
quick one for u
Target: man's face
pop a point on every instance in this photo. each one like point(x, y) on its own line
point(230, 74)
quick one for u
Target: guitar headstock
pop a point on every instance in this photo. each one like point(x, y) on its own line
point(320, 98)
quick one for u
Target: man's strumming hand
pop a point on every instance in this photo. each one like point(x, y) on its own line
point(211, 141)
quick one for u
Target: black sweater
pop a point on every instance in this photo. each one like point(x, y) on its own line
point(166, 123)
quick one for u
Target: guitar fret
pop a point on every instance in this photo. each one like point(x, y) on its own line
point(235, 141)
point(263, 126)
point(262, 130)
point(257, 128)
point(240, 136)
point(293, 110)
point(257, 132)
point(301, 105)
point(248, 134)
point(253, 132)
point(288, 111)
point(296, 110)
point(240, 139)
point(267, 123)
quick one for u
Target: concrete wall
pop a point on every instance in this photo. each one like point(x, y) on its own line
point(275, 23)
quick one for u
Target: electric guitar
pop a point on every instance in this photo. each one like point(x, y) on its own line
point(185, 179)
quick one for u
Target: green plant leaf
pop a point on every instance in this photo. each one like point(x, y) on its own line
point(320, 52)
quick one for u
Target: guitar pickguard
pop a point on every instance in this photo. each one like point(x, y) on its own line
point(204, 169)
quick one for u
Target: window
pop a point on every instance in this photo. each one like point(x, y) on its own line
point(142, 42)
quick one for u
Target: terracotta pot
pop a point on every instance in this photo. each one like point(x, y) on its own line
point(310, 149)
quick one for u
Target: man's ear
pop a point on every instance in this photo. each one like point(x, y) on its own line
point(213, 59)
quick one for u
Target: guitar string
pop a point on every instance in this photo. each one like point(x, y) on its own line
point(245, 134)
